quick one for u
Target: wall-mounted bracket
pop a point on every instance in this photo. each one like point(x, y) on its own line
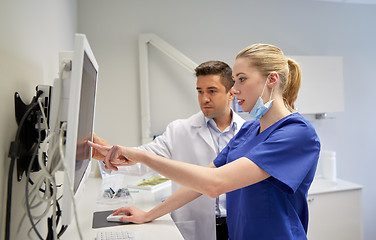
point(30, 134)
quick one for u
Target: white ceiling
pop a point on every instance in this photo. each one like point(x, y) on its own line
point(352, 1)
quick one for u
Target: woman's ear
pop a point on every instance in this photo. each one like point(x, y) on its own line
point(273, 79)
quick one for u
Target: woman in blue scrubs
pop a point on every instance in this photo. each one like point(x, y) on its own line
point(266, 169)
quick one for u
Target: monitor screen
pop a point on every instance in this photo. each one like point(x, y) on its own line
point(73, 103)
point(85, 120)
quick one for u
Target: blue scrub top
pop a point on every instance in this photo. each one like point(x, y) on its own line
point(275, 208)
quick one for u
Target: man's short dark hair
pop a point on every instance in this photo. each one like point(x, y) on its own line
point(216, 68)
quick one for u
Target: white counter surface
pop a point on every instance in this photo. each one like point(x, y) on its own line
point(161, 228)
point(320, 186)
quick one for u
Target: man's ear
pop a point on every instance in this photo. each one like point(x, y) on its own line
point(231, 94)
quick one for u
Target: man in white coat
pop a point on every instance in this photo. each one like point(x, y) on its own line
point(198, 140)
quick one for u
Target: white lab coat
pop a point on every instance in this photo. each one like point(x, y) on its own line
point(189, 140)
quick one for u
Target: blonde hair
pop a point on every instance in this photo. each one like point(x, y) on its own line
point(267, 59)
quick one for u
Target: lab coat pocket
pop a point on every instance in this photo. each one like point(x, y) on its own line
point(186, 228)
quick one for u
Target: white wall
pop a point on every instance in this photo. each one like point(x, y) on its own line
point(205, 30)
point(32, 33)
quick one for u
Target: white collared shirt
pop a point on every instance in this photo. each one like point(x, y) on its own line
point(220, 140)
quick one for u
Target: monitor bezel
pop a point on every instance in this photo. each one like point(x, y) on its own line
point(81, 47)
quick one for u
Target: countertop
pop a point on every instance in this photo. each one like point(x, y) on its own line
point(321, 185)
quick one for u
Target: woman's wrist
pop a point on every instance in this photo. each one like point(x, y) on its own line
point(142, 156)
point(149, 216)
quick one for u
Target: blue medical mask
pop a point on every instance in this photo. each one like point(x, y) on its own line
point(260, 108)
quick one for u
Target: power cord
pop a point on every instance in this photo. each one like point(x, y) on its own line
point(46, 183)
point(14, 154)
point(47, 172)
point(27, 201)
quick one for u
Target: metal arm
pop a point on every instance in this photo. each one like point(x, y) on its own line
point(173, 53)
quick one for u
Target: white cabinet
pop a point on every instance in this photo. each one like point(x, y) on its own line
point(335, 210)
point(322, 86)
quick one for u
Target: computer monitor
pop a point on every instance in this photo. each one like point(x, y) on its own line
point(73, 102)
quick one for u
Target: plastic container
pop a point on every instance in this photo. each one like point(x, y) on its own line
point(328, 164)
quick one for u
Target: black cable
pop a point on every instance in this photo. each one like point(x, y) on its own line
point(63, 227)
point(40, 189)
point(14, 154)
point(9, 198)
point(62, 230)
point(50, 235)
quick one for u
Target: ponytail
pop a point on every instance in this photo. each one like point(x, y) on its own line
point(291, 88)
point(268, 58)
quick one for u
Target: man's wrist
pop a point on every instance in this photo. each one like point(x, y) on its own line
point(143, 157)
